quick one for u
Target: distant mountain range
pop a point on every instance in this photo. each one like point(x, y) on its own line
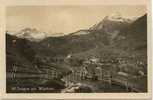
point(108, 33)
point(121, 36)
point(31, 34)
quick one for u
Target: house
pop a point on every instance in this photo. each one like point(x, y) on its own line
point(122, 74)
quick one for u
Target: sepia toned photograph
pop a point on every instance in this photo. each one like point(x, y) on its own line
point(76, 49)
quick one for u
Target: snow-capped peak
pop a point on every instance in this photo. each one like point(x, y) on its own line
point(118, 18)
point(112, 21)
point(31, 34)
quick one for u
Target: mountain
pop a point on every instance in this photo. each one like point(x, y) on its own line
point(31, 34)
point(24, 60)
point(27, 52)
point(75, 43)
point(94, 41)
point(112, 25)
point(134, 37)
point(137, 29)
point(19, 48)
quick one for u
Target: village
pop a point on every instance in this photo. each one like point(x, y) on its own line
point(114, 71)
point(109, 71)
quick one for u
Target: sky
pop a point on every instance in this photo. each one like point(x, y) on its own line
point(64, 19)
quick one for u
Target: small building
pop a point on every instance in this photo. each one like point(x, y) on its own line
point(83, 73)
point(99, 73)
point(123, 74)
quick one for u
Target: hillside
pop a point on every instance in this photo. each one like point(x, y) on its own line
point(24, 62)
point(134, 37)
